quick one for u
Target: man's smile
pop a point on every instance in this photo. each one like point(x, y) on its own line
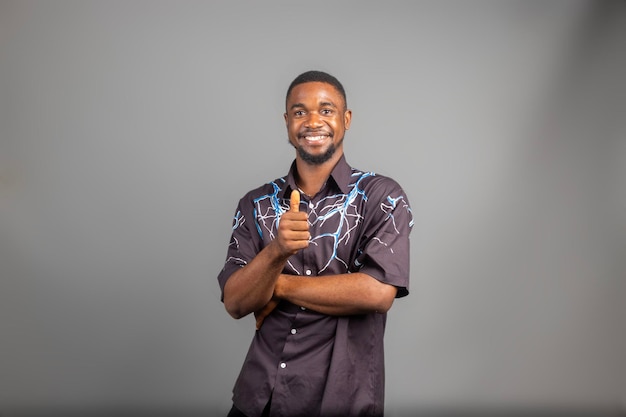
point(314, 137)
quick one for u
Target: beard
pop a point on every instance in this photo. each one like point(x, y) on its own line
point(318, 159)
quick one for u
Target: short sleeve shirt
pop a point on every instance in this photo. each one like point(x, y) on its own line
point(313, 364)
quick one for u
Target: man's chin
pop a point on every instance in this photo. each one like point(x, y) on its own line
point(317, 159)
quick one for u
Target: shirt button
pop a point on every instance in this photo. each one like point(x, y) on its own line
point(302, 308)
point(311, 206)
point(293, 331)
point(283, 365)
point(308, 272)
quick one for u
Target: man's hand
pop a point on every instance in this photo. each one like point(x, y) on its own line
point(265, 311)
point(293, 235)
point(293, 230)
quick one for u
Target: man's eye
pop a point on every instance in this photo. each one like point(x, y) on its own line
point(298, 113)
point(327, 111)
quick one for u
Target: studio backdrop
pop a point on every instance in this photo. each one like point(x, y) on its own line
point(130, 129)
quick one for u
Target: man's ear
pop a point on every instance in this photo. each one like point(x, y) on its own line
point(285, 116)
point(347, 118)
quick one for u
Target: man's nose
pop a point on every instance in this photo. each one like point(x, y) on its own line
point(314, 120)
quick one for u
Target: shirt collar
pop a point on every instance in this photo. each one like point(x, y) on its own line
point(341, 175)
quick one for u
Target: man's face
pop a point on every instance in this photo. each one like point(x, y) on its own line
point(316, 120)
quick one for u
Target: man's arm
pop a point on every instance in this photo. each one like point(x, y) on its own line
point(359, 292)
point(338, 295)
point(251, 287)
point(344, 294)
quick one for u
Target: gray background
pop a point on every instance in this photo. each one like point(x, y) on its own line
point(129, 129)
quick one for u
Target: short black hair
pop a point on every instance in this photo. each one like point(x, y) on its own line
point(317, 76)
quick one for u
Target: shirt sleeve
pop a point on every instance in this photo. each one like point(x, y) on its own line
point(384, 251)
point(244, 243)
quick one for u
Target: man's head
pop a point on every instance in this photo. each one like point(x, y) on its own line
point(317, 117)
point(318, 76)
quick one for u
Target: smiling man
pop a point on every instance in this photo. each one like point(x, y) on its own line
point(319, 257)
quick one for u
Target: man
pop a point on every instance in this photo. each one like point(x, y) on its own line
point(319, 257)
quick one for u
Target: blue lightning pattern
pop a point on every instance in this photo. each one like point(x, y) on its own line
point(339, 211)
point(339, 207)
point(238, 221)
point(391, 207)
point(273, 212)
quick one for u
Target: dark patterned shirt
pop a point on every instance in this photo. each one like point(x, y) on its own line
point(313, 364)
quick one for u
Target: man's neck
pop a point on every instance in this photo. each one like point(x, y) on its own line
point(311, 178)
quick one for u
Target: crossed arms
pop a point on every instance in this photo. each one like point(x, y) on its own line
point(260, 285)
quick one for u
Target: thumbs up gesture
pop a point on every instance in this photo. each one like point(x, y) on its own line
point(294, 202)
point(293, 235)
point(293, 230)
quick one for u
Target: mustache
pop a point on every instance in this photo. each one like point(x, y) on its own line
point(314, 132)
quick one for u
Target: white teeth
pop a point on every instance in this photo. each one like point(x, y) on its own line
point(315, 137)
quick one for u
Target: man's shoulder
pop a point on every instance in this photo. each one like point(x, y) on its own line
point(268, 189)
point(373, 181)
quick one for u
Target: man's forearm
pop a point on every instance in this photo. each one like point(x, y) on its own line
point(344, 294)
point(251, 287)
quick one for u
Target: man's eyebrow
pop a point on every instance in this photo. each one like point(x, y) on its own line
point(321, 104)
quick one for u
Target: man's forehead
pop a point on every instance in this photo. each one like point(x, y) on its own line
point(322, 92)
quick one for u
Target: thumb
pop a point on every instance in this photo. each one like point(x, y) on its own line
point(295, 201)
